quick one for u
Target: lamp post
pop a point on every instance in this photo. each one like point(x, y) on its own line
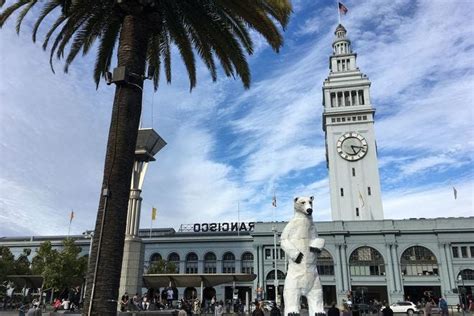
point(277, 301)
point(149, 143)
point(462, 294)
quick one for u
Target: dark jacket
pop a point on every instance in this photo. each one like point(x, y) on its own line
point(387, 311)
point(334, 311)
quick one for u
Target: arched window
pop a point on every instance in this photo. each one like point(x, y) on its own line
point(366, 261)
point(174, 258)
point(228, 263)
point(419, 260)
point(271, 275)
point(155, 257)
point(247, 263)
point(210, 263)
point(191, 263)
point(325, 263)
point(466, 275)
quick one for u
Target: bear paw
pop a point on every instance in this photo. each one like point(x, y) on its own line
point(293, 314)
point(319, 314)
point(299, 258)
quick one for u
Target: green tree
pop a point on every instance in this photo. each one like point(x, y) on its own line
point(7, 263)
point(60, 269)
point(22, 263)
point(161, 266)
point(143, 32)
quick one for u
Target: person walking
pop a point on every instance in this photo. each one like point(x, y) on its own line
point(333, 310)
point(258, 310)
point(387, 311)
point(428, 307)
point(443, 306)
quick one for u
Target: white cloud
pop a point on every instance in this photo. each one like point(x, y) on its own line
point(229, 146)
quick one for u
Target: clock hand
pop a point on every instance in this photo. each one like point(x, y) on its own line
point(353, 149)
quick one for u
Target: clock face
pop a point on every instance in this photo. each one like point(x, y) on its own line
point(351, 146)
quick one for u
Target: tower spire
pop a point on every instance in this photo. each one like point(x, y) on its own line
point(348, 122)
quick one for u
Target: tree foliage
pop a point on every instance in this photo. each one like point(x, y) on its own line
point(60, 269)
point(161, 266)
point(7, 263)
point(215, 29)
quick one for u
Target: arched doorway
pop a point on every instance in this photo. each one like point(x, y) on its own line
point(367, 263)
point(421, 263)
point(270, 285)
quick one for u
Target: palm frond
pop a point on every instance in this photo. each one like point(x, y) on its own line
point(22, 15)
point(47, 9)
point(8, 11)
point(106, 49)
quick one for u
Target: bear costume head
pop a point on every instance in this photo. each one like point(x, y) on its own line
point(304, 205)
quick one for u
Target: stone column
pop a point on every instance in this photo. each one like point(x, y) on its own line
point(340, 291)
point(390, 272)
point(345, 268)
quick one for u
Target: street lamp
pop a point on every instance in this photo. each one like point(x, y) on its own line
point(462, 294)
point(149, 143)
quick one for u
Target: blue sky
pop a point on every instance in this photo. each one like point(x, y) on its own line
point(228, 146)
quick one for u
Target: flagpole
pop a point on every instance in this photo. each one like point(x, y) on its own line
point(70, 221)
point(238, 218)
point(275, 254)
point(151, 224)
point(338, 12)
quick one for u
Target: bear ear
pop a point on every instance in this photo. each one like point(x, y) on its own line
point(311, 198)
point(296, 199)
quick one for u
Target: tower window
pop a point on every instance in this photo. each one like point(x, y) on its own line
point(353, 97)
point(353, 172)
point(342, 192)
point(343, 119)
point(347, 101)
point(357, 211)
point(338, 65)
point(333, 99)
point(369, 191)
point(364, 117)
point(360, 93)
point(333, 120)
point(354, 118)
point(339, 99)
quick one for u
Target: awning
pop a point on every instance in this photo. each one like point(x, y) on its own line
point(194, 280)
point(30, 281)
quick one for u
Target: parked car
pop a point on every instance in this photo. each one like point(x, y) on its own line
point(404, 307)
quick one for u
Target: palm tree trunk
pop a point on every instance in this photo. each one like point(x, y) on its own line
point(103, 276)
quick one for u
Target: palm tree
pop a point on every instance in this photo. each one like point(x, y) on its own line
point(144, 31)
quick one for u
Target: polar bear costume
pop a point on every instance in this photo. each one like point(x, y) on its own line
point(300, 243)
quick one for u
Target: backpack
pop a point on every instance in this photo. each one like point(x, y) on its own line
point(443, 304)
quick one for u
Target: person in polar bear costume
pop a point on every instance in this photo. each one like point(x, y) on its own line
point(300, 242)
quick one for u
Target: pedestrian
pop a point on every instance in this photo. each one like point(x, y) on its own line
point(124, 301)
point(443, 306)
point(387, 311)
point(219, 310)
point(258, 310)
point(428, 307)
point(275, 311)
point(169, 296)
point(333, 310)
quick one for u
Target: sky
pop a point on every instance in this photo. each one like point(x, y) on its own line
point(229, 149)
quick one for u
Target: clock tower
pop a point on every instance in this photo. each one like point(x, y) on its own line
point(351, 150)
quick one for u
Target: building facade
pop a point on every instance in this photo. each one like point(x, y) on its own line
point(387, 260)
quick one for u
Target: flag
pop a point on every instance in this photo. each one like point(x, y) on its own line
point(153, 213)
point(455, 192)
point(361, 200)
point(342, 8)
point(274, 201)
point(71, 217)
